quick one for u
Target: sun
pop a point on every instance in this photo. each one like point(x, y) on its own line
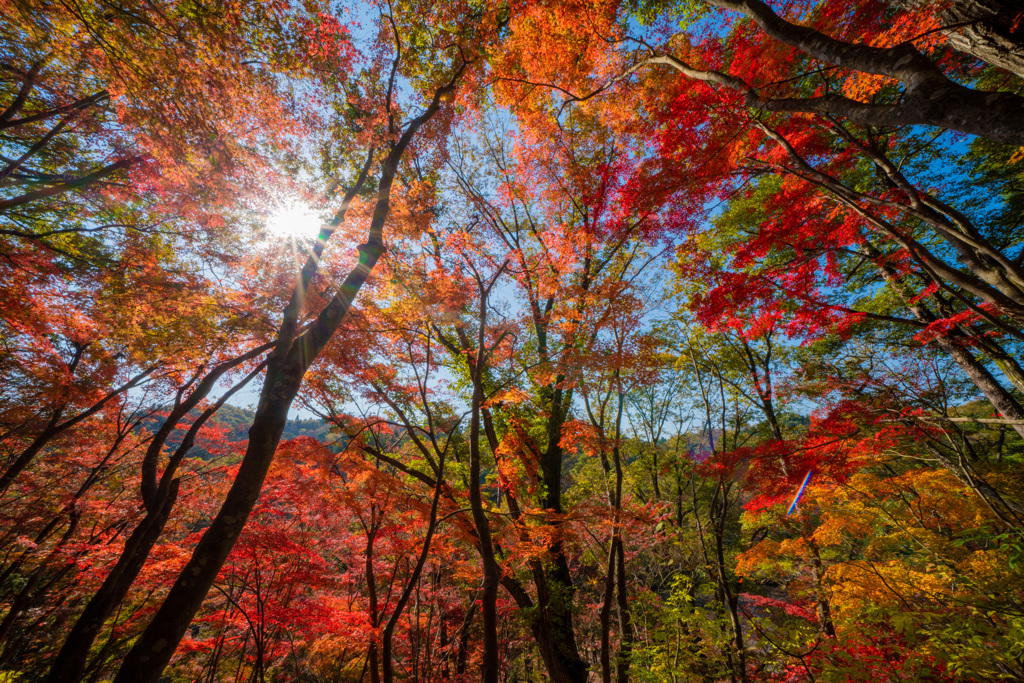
point(294, 219)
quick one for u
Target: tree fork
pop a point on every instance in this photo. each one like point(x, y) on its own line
point(151, 653)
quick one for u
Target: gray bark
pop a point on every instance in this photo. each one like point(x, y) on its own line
point(929, 96)
point(990, 30)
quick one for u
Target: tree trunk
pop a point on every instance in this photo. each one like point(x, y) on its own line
point(606, 614)
point(70, 663)
point(991, 30)
point(625, 620)
point(159, 498)
point(151, 653)
point(492, 575)
point(553, 628)
point(373, 657)
point(1001, 399)
point(463, 655)
point(414, 579)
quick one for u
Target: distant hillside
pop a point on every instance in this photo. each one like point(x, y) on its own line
point(238, 420)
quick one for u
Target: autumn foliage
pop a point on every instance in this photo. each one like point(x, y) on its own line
point(634, 341)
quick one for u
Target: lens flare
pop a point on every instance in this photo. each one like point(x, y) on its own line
point(796, 499)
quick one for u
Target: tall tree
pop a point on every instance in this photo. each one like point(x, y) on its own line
point(292, 356)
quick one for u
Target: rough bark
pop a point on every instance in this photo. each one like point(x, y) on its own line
point(990, 30)
point(929, 96)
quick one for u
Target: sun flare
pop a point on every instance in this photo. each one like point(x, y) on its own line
point(294, 219)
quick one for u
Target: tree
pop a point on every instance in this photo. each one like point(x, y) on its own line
point(700, 373)
point(293, 354)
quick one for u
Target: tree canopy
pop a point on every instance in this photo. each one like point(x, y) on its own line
point(560, 341)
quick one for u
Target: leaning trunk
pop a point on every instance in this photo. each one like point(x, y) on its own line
point(151, 653)
point(69, 665)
